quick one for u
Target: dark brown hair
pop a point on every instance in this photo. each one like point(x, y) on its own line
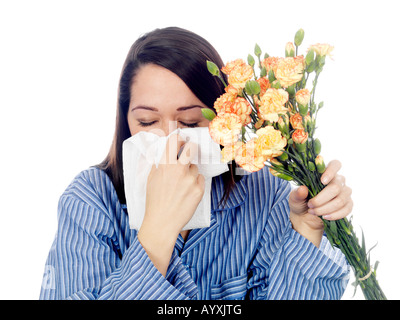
point(185, 54)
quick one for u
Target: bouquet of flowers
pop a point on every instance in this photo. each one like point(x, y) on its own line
point(270, 120)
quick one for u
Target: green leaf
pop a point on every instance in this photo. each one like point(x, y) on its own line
point(376, 266)
point(362, 241)
point(333, 227)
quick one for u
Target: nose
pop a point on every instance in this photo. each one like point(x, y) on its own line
point(169, 126)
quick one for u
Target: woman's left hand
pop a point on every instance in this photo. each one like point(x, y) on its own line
point(332, 203)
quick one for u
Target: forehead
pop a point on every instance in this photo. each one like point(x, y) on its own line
point(159, 87)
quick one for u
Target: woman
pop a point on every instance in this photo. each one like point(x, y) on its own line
point(264, 242)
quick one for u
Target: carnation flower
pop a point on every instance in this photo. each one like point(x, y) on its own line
point(264, 84)
point(227, 69)
point(299, 136)
point(225, 128)
point(270, 63)
point(303, 97)
point(290, 70)
point(272, 104)
point(322, 49)
point(240, 75)
point(270, 142)
point(224, 102)
point(296, 121)
point(237, 105)
point(228, 152)
point(248, 157)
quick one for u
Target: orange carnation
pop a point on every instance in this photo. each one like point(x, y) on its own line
point(322, 49)
point(240, 75)
point(299, 136)
point(228, 152)
point(296, 121)
point(264, 84)
point(248, 158)
point(273, 103)
point(227, 69)
point(224, 102)
point(290, 70)
point(225, 128)
point(239, 106)
point(270, 142)
point(270, 63)
point(303, 97)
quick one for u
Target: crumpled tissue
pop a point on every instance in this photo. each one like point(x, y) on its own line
point(144, 149)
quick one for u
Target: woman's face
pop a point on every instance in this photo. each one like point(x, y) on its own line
point(162, 102)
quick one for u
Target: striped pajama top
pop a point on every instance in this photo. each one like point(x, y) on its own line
point(250, 250)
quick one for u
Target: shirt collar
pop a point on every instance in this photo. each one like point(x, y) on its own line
point(236, 197)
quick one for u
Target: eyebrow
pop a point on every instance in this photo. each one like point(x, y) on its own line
point(184, 108)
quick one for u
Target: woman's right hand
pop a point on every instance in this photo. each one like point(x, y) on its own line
point(173, 192)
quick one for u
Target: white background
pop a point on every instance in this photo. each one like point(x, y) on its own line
point(59, 68)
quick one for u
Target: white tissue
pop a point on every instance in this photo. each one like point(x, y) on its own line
point(144, 149)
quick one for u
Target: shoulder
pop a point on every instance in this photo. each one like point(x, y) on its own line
point(93, 187)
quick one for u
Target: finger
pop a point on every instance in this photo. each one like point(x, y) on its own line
point(331, 191)
point(201, 181)
point(193, 170)
point(173, 145)
point(339, 214)
point(334, 205)
point(189, 153)
point(330, 172)
point(297, 200)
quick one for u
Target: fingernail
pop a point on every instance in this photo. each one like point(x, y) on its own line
point(327, 217)
point(310, 205)
point(325, 180)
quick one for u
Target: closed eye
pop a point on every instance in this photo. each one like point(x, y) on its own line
point(189, 125)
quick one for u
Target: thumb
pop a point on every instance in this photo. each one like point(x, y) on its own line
point(297, 199)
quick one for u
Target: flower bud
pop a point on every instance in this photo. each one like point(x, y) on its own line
point(309, 57)
point(276, 163)
point(311, 67)
point(257, 50)
point(212, 68)
point(283, 157)
point(289, 50)
point(300, 138)
point(311, 166)
point(208, 113)
point(303, 97)
point(319, 161)
point(276, 84)
point(317, 146)
point(283, 125)
point(250, 60)
point(299, 36)
point(280, 175)
point(252, 87)
point(303, 110)
point(291, 90)
point(263, 72)
point(271, 76)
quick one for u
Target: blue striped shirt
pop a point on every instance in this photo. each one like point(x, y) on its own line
point(250, 250)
